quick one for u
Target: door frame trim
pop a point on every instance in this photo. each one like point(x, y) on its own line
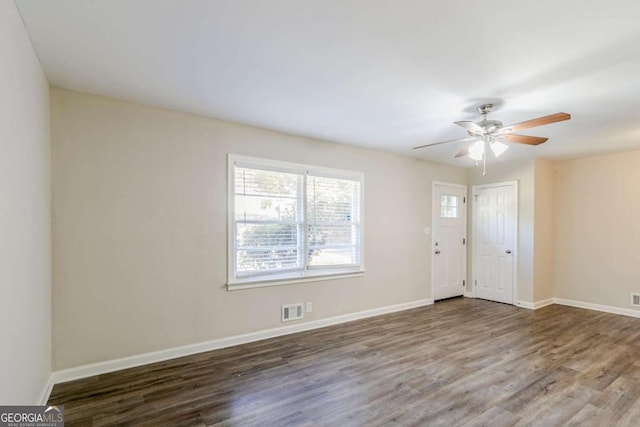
point(435, 211)
point(516, 242)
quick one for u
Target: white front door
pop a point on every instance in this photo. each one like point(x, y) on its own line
point(449, 221)
point(494, 241)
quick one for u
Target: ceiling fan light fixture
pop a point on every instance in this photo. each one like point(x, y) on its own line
point(476, 152)
point(498, 148)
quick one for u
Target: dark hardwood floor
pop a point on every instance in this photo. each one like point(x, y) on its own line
point(459, 362)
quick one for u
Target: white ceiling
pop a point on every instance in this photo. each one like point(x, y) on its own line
point(387, 75)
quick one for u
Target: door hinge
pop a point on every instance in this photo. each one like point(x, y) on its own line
point(464, 284)
point(464, 200)
point(464, 241)
point(475, 283)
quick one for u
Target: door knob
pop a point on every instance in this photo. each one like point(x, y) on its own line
point(437, 251)
point(508, 251)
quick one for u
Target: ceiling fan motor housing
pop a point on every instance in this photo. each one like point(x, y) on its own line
point(489, 126)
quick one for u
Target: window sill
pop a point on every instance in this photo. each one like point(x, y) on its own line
point(288, 280)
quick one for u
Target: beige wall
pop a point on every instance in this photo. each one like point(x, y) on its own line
point(523, 172)
point(543, 213)
point(140, 237)
point(25, 221)
point(597, 233)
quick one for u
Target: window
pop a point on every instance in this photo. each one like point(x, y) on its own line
point(292, 222)
point(448, 206)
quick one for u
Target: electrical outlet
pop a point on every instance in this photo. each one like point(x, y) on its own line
point(309, 307)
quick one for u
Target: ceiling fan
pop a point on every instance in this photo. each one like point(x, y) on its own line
point(493, 133)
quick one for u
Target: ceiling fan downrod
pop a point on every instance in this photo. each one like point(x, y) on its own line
point(484, 109)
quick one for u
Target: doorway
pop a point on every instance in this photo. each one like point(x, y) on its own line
point(448, 251)
point(495, 241)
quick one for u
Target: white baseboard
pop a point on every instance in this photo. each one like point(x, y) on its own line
point(525, 304)
point(46, 391)
point(597, 307)
point(579, 304)
point(85, 371)
point(534, 305)
point(468, 294)
point(542, 303)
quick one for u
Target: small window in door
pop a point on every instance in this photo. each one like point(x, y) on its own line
point(448, 206)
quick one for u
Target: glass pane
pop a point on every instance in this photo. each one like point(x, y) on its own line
point(333, 214)
point(449, 206)
point(262, 195)
point(323, 235)
point(333, 244)
point(331, 200)
point(346, 255)
point(448, 200)
point(253, 235)
point(263, 208)
point(267, 246)
point(267, 260)
point(448, 212)
point(265, 182)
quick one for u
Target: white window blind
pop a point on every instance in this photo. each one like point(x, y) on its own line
point(333, 221)
point(292, 221)
point(268, 215)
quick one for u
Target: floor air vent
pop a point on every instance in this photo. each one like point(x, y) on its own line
point(292, 312)
point(635, 300)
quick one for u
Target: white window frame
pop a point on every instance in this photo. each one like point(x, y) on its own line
point(307, 274)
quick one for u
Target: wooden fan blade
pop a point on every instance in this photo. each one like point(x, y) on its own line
point(540, 121)
point(470, 126)
point(444, 142)
point(524, 139)
point(466, 149)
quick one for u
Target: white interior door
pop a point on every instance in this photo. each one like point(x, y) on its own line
point(494, 241)
point(449, 223)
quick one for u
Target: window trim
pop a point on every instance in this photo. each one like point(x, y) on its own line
point(298, 276)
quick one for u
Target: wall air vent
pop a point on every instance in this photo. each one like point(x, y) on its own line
point(292, 312)
point(635, 300)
